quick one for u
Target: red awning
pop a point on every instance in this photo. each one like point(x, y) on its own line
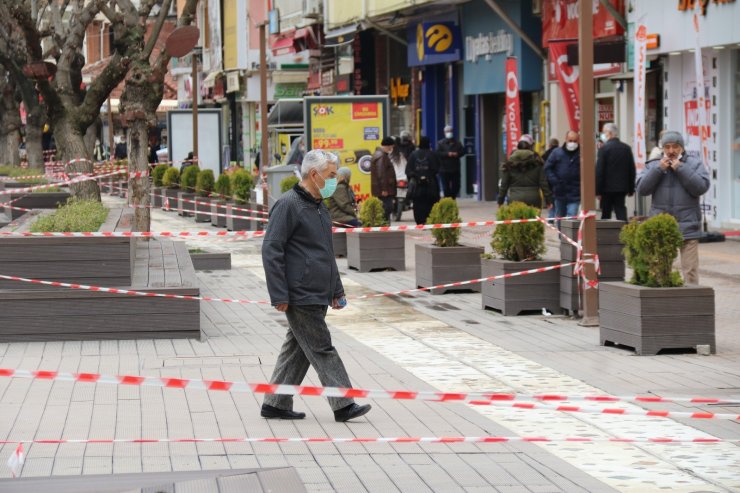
point(283, 46)
point(304, 32)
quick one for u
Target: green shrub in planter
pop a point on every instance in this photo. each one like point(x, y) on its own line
point(371, 213)
point(171, 178)
point(189, 177)
point(444, 212)
point(204, 183)
point(158, 174)
point(242, 185)
point(650, 249)
point(521, 241)
point(75, 216)
point(288, 182)
point(223, 186)
point(18, 171)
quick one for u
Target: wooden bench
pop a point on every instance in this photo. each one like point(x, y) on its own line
point(33, 312)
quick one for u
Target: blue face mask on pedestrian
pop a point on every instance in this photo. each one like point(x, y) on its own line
point(330, 186)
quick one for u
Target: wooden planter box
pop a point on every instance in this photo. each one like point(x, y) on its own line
point(611, 259)
point(185, 208)
point(443, 265)
point(36, 200)
point(170, 202)
point(531, 292)
point(156, 198)
point(218, 206)
point(211, 261)
point(376, 250)
point(200, 209)
point(651, 319)
point(339, 243)
point(237, 223)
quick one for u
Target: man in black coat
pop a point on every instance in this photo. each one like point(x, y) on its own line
point(615, 173)
point(449, 151)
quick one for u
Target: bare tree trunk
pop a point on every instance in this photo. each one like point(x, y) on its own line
point(10, 121)
point(9, 153)
point(71, 144)
point(34, 131)
point(138, 159)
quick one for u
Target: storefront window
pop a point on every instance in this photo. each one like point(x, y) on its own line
point(736, 144)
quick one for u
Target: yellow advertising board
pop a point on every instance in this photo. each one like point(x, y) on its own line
point(350, 127)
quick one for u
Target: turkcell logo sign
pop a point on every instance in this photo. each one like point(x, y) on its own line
point(433, 42)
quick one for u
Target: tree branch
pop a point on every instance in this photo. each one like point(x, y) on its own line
point(186, 18)
point(156, 30)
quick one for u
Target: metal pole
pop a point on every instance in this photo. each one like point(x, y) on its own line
point(195, 89)
point(588, 152)
point(264, 158)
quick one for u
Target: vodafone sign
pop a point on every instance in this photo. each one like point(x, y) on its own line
point(513, 113)
point(567, 78)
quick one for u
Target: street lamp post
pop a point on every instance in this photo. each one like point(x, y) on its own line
point(194, 88)
point(264, 157)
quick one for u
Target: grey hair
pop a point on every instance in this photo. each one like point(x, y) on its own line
point(318, 159)
point(345, 173)
point(612, 129)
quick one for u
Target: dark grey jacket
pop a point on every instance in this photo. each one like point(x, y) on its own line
point(297, 252)
point(676, 192)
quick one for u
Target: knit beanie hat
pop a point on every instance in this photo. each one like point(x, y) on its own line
point(672, 137)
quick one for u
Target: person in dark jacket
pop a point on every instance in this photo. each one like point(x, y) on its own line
point(303, 281)
point(551, 146)
point(449, 151)
point(563, 169)
point(342, 205)
point(676, 182)
point(383, 176)
point(422, 169)
point(405, 145)
point(523, 177)
point(615, 174)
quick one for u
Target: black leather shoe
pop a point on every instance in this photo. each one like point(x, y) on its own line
point(351, 412)
point(273, 412)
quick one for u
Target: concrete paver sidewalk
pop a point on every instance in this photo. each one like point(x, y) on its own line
point(418, 343)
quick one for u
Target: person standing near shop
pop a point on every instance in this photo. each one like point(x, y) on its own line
point(563, 169)
point(383, 176)
point(676, 182)
point(342, 204)
point(405, 145)
point(303, 281)
point(523, 177)
point(422, 170)
point(449, 151)
point(615, 174)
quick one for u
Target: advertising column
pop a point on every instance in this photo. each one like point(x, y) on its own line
point(352, 128)
point(639, 144)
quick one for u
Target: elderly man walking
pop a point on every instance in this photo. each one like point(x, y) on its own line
point(615, 174)
point(303, 281)
point(677, 181)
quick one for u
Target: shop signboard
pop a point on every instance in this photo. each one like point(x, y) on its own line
point(639, 145)
point(513, 113)
point(560, 20)
point(351, 127)
point(432, 41)
point(567, 77)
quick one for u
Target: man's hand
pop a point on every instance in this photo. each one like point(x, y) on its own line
point(282, 307)
point(339, 303)
point(675, 164)
point(665, 163)
point(383, 194)
point(452, 154)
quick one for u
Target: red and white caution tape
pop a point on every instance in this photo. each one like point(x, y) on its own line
point(199, 212)
point(607, 410)
point(136, 234)
point(128, 292)
point(302, 390)
point(62, 183)
point(407, 439)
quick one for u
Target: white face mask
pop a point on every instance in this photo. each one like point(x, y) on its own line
point(571, 146)
point(449, 135)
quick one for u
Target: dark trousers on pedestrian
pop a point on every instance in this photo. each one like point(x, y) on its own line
point(450, 184)
point(613, 202)
point(389, 204)
point(422, 208)
point(308, 342)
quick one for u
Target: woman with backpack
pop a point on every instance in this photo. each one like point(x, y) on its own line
point(422, 169)
point(523, 177)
